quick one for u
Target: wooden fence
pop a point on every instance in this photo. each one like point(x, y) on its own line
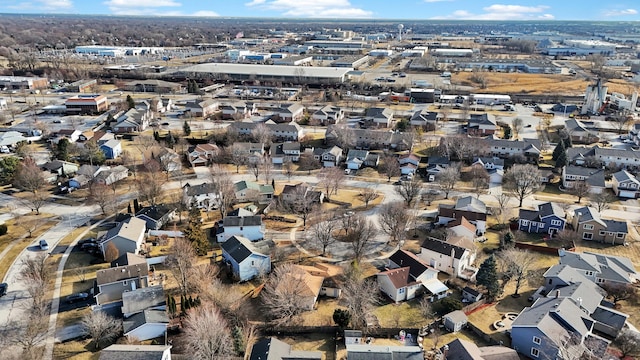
point(540, 248)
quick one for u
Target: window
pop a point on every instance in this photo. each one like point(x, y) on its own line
point(556, 222)
point(536, 340)
point(620, 235)
point(587, 236)
point(401, 290)
point(525, 222)
point(589, 273)
point(540, 225)
point(601, 232)
point(587, 226)
point(599, 281)
point(535, 352)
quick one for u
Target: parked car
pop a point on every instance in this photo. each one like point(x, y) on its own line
point(89, 240)
point(43, 245)
point(3, 289)
point(77, 297)
point(88, 246)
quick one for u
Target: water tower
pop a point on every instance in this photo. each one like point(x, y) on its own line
point(400, 27)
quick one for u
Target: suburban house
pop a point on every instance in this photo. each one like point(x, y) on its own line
point(328, 157)
point(127, 236)
point(169, 159)
point(243, 260)
point(599, 268)
point(60, 167)
point(153, 85)
point(254, 152)
point(328, 114)
point(203, 108)
point(424, 118)
point(408, 163)
point(109, 175)
point(489, 163)
point(289, 112)
point(203, 196)
point(435, 164)
point(407, 277)
point(481, 125)
point(111, 283)
point(364, 351)
point(455, 321)
point(451, 259)
point(285, 152)
point(374, 139)
point(293, 193)
point(148, 352)
point(465, 350)
point(594, 177)
point(72, 135)
point(202, 154)
point(237, 110)
point(597, 157)
point(548, 218)
point(140, 299)
point(380, 117)
point(274, 349)
point(461, 227)
point(359, 158)
point(251, 191)
point(625, 185)
point(156, 216)
point(470, 295)
point(568, 317)
point(279, 132)
point(590, 226)
point(579, 132)
point(528, 149)
point(111, 149)
point(331, 285)
point(249, 227)
point(146, 325)
point(134, 119)
point(474, 210)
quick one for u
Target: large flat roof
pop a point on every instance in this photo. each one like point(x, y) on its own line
point(270, 70)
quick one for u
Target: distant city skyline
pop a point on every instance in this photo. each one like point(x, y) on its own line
point(342, 9)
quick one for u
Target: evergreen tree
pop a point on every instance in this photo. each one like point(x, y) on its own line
point(130, 103)
point(488, 277)
point(170, 139)
point(342, 318)
point(507, 240)
point(183, 304)
point(567, 141)
point(507, 132)
point(238, 341)
point(129, 208)
point(136, 205)
point(196, 234)
point(186, 128)
point(62, 150)
point(562, 160)
point(560, 147)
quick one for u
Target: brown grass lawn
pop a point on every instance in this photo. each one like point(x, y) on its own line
point(74, 350)
point(406, 314)
point(500, 83)
point(438, 341)
point(322, 315)
point(314, 342)
point(13, 234)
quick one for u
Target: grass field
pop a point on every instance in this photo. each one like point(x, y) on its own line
point(536, 83)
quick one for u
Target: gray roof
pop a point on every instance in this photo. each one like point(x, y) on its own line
point(252, 220)
point(128, 259)
point(143, 298)
point(586, 214)
point(270, 70)
point(238, 247)
point(554, 317)
point(460, 349)
point(274, 349)
point(565, 273)
point(442, 247)
point(544, 210)
point(133, 352)
point(204, 188)
point(110, 275)
point(145, 317)
point(357, 154)
point(585, 294)
point(405, 258)
point(376, 112)
point(613, 268)
point(456, 316)
point(470, 203)
point(594, 177)
point(383, 352)
point(624, 175)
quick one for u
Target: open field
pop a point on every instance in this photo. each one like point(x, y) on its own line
point(536, 83)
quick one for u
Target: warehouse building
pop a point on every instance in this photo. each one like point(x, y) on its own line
point(23, 82)
point(274, 73)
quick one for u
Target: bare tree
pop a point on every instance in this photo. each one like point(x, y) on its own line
point(619, 291)
point(207, 334)
point(237, 156)
point(267, 169)
point(254, 167)
point(426, 308)
point(101, 195)
point(479, 179)
point(304, 202)
point(448, 178)
point(287, 168)
point(394, 218)
point(361, 298)
point(101, 327)
point(180, 262)
point(28, 223)
point(522, 180)
point(409, 190)
point(628, 342)
point(262, 134)
point(368, 194)
point(28, 334)
point(28, 177)
point(580, 189)
point(359, 234)
point(601, 201)
point(308, 162)
point(213, 290)
point(330, 179)
point(501, 211)
point(390, 167)
point(225, 190)
point(517, 263)
point(285, 294)
point(517, 127)
point(79, 270)
point(150, 184)
point(322, 234)
point(343, 136)
point(35, 275)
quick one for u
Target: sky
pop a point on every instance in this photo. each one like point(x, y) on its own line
point(612, 10)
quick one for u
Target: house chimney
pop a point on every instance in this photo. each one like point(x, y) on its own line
point(557, 294)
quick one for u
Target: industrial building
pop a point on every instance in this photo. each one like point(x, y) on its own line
point(453, 52)
point(87, 104)
point(116, 51)
point(350, 61)
point(23, 82)
point(83, 86)
point(275, 73)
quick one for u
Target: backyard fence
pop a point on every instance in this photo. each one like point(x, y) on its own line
point(540, 248)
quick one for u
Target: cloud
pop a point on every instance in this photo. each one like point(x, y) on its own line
point(503, 12)
point(312, 8)
point(55, 4)
point(623, 12)
point(205, 13)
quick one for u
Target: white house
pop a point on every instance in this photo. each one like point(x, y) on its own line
point(283, 152)
point(146, 325)
point(127, 236)
point(243, 259)
point(250, 227)
point(328, 157)
point(625, 185)
point(451, 259)
point(203, 196)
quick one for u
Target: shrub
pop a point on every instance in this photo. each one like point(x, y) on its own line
point(450, 304)
point(3, 229)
